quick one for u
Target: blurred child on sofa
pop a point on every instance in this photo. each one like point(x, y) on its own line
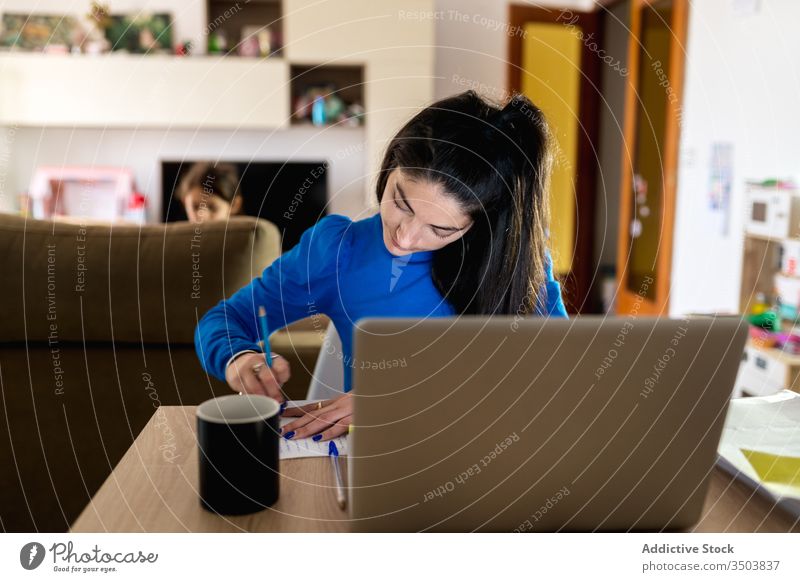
point(210, 191)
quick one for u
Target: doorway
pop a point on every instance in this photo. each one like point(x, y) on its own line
point(656, 58)
point(553, 62)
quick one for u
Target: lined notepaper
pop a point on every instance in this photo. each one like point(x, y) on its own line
point(299, 448)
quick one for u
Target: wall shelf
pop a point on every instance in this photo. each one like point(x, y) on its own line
point(231, 17)
point(146, 91)
point(344, 81)
point(123, 90)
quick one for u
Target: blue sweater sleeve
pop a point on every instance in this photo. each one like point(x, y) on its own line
point(298, 284)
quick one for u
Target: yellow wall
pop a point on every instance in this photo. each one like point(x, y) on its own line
point(551, 57)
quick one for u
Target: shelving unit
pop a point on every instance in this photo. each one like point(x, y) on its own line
point(345, 81)
point(760, 263)
point(230, 17)
point(764, 370)
point(389, 57)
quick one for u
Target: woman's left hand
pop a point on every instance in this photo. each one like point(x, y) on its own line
point(331, 420)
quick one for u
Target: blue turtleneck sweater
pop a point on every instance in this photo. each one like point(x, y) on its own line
point(342, 269)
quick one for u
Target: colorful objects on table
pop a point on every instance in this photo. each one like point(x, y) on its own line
point(760, 304)
point(767, 320)
point(763, 338)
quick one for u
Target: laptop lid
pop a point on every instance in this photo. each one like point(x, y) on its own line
point(536, 424)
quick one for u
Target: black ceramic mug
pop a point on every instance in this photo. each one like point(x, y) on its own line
point(238, 437)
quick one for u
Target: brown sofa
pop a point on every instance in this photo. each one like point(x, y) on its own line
point(96, 331)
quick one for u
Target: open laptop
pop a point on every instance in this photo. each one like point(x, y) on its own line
point(537, 424)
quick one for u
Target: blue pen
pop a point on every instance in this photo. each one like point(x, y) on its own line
point(264, 343)
point(333, 454)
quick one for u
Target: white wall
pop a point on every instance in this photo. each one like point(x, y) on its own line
point(142, 151)
point(472, 48)
point(742, 83)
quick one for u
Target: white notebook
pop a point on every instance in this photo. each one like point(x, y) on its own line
point(299, 448)
point(766, 424)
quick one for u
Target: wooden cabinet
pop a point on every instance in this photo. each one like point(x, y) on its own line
point(764, 370)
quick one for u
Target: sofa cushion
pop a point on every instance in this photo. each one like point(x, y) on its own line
point(68, 282)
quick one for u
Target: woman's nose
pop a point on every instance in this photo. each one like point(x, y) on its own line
point(405, 236)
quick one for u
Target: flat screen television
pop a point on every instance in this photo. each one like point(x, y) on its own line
point(292, 195)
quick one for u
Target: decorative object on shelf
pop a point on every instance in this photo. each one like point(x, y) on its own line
point(217, 43)
point(183, 49)
point(99, 18)
point(265, 44)
point(249, 47)
point(99, 15)
point(275, 42)
point(57, 49)
point(41, 32)
point(321, 105)
point(354, 115)
point(318, 110)
point(262, 36)
point(140, 33)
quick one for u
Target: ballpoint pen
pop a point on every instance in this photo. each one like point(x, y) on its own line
point(333, 453)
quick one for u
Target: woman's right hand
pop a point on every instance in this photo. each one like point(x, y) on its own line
point(249, 374)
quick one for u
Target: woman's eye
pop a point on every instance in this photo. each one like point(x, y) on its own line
point(397, 204)
point(440, 235)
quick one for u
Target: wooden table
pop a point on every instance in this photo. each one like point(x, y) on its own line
point(154, 489)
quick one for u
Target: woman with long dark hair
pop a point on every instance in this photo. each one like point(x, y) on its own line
point(462, 229)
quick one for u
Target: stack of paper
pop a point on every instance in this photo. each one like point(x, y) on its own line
point(761, 445)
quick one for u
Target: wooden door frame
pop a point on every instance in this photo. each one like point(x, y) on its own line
point(577, 286)
point(628, 301)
